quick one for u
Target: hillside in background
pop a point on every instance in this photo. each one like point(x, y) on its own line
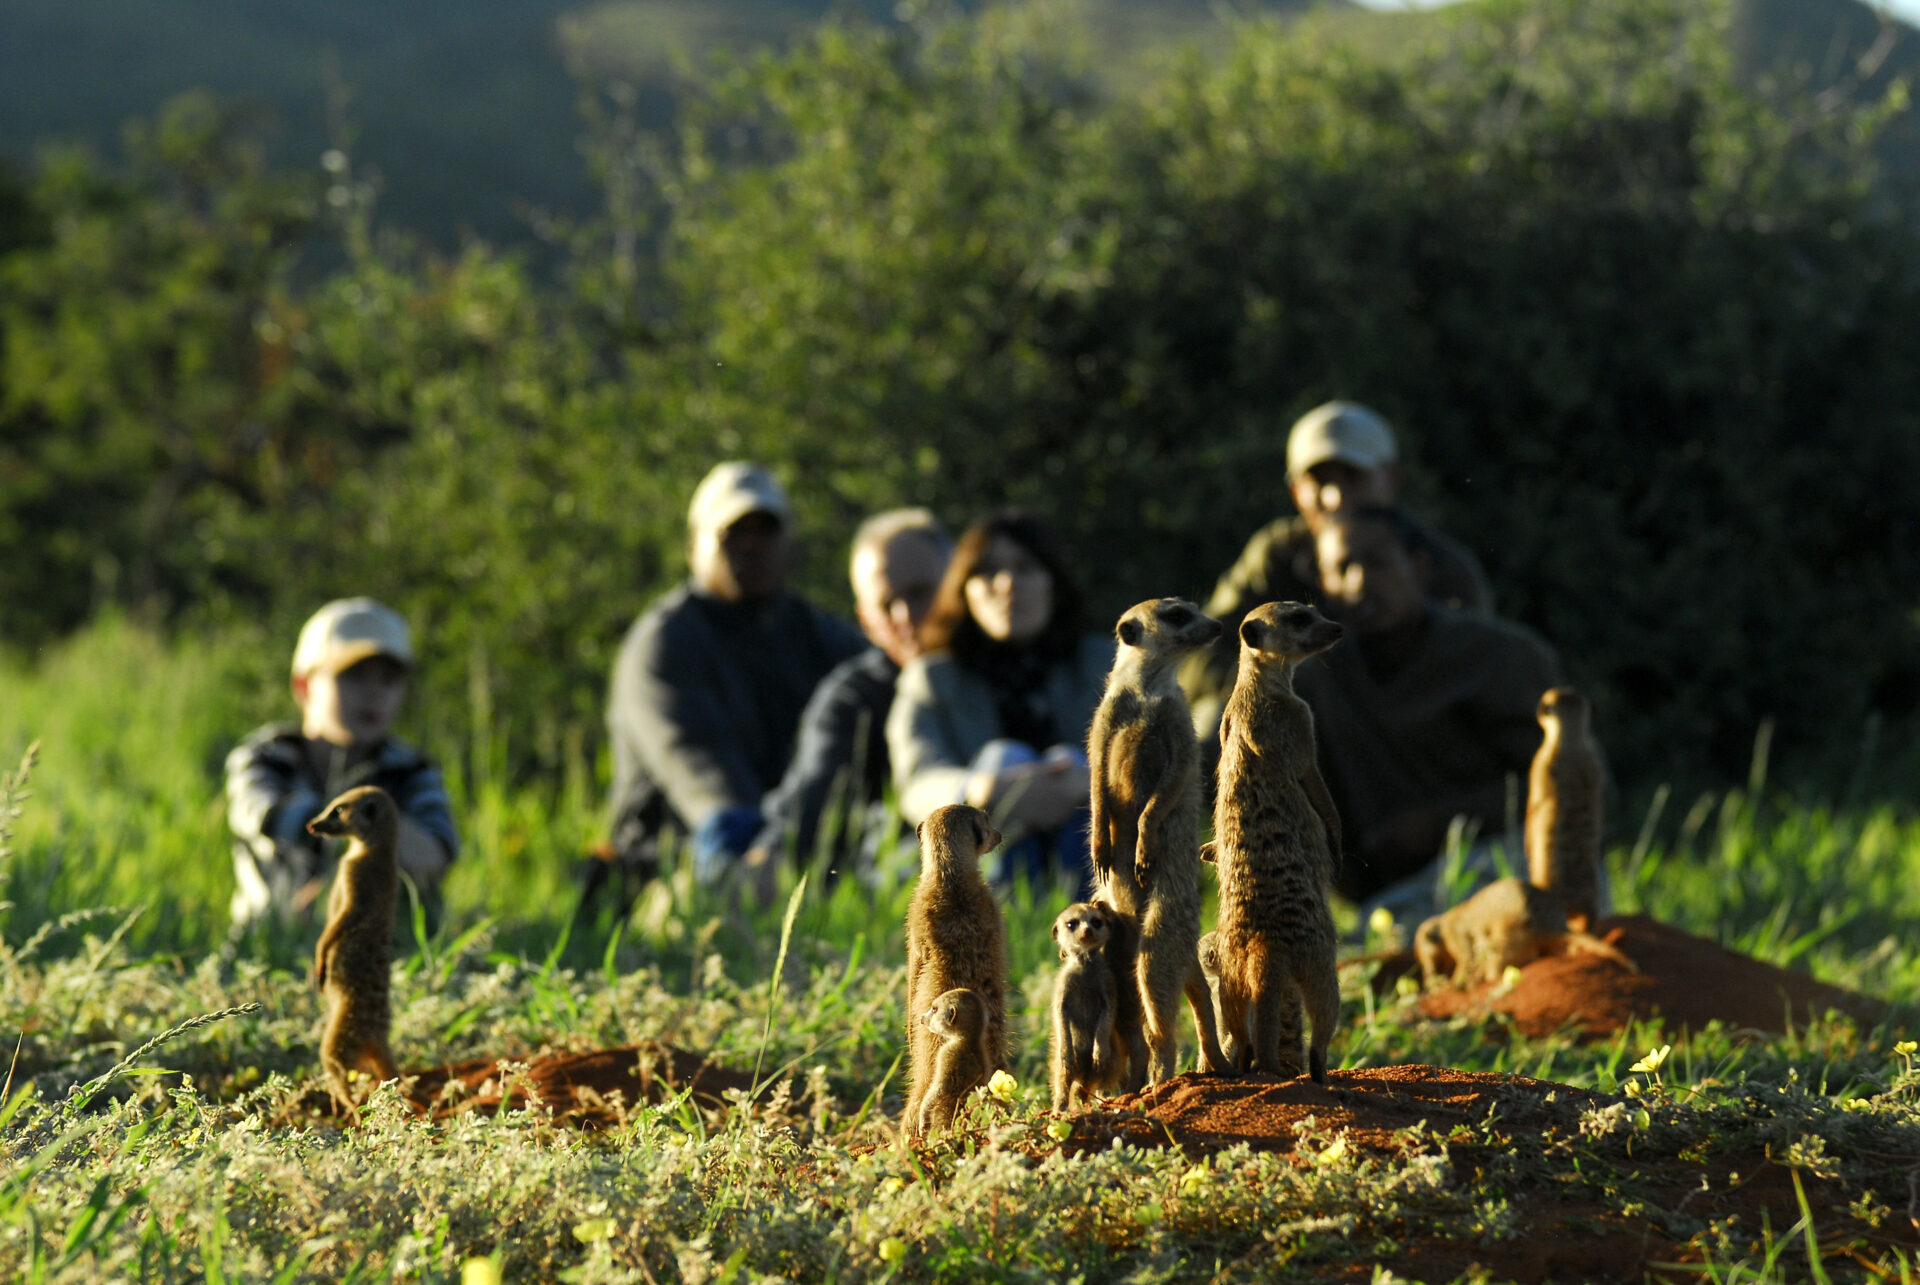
point(466, 109)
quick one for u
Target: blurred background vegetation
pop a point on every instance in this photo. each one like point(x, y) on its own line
point(460, 321)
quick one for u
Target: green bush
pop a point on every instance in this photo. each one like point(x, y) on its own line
point(1645, 333)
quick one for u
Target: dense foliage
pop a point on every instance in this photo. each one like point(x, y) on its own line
point(1646, 335)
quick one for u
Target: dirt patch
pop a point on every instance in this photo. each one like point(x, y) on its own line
point(1203, 1114)
point(1573, 1232)
point(587, 1090)
point(1684, 979)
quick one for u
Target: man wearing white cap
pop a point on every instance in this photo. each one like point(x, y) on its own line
point(1340, 455)
point(350, 670)
point(711, 680)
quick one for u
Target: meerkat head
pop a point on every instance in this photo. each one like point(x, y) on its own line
point(1563, 705)
point(1285, 633)
point(958, 1014)
point(1169, 627)
point(1082, 929)
point(366, 813)
point(957, 832)
point(1210, 956)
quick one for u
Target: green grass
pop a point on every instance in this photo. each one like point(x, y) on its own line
point(176, 1169)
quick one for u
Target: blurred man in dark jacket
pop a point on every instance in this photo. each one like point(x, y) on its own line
point(710, 682)
point(840, 769)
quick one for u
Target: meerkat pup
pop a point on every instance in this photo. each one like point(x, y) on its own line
point(962, 1058)
point(1508, 923)
point(1145, 832)
point(1276, 836)
point(1565, 789)
point(1129, 1069)
point(1210, 967)
point(1082, 1053)
point(353, 961)
point(955, 940)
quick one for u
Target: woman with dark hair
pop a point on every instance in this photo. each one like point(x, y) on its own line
point(995, 712)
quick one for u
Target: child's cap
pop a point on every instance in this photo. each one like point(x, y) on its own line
point(348, 630)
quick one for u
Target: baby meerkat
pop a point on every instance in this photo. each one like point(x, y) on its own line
point(1145, 834)
point(353, 961)
point(1129, 1070)
point(1276, 836)
point(1210, 967)
point(1565, 791)
point(962, 1060)
point(1508, 923)
point(1081, 1059)
point(955, 940)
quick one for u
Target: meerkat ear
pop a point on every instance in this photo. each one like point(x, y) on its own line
point(920, 832)
point(1250, 633)
point(1131, 632)
point(988, 837)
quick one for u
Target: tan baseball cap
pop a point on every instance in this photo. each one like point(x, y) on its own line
point(732, 490)
point(348, 630)
point(1345, 431)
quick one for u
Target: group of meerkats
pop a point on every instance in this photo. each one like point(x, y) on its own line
point(1131, 953)
point(1266, 975)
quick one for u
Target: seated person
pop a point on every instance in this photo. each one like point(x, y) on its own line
point(710, 681)
point(350, 671)
point(898, 558)
point(1339, 455)
point(1423, 711)
point(994, 712)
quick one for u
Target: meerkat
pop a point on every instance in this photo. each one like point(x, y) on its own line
point(955, 940)
point(353, 961)
point(1210, 967)
point(1129, 1069)
point(962, 1059)
point(1508, 923)
point(1564, 807)
point(1081, 1055)
point(1145, 833)
point(1276, 836)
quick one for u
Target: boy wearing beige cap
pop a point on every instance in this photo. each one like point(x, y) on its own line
point(350, 669)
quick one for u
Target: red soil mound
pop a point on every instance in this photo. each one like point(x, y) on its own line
point(589, 1090)
point(1572, 1235)
point(1207, 1113)
point(1687, 980)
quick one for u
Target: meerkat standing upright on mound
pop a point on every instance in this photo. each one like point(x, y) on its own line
point(1276, 836)
point(1564, 807)
point(961, 1059)
point(1145, 835)
point(955, 940)
point(1081, 1054)
point(353, 961)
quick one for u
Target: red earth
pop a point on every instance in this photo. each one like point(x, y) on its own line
point(1684, 979)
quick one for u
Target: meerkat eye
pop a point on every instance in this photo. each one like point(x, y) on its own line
point(1300, 619)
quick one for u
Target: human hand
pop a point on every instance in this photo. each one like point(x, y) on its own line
point(421, 855)
point(1043, 795)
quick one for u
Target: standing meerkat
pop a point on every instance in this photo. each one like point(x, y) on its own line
point(1129, 1069)
point(1276, 836)
point(1564, 806)
point(352, 964)
point(1081, 1055)
point(955, 940)
point(961, 1060)
point(1508, 923)
point(1145, 833)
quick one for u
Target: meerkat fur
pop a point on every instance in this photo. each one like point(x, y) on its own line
point(962, 1034)
point(1209, 953)
point(1565, 806)
point(1146, 808)
point(353, 961)
point(1276, 837)
point(1129, 1069)
point(955, 940)
point(1507, 924)
point(1081, 1053)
